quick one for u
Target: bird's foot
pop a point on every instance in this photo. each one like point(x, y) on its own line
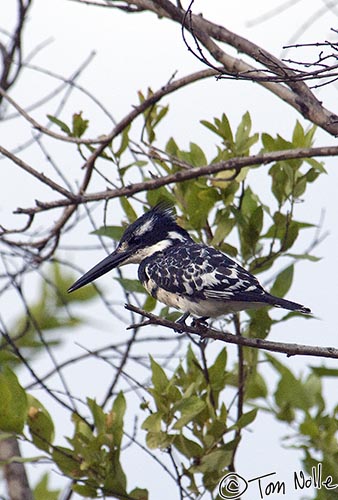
point(196, 322)
point(200, 322)
point(181, 321)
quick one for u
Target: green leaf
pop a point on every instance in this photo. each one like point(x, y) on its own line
point(243, 128)
point(214, 461)
point(243, 140)
point(41, 426)
point(189, 408)
point(159, 195)
point(225, 225)
point(216, 429)
point(161, 112)
point(313, 386)
point(119, 408)
point(67, 461)
point(316, 165)
point(79, 125)
point(256, 387)
point(149, 304)
point(246, 419)
point(128, 209)
point(153, 422)
point(291, 393)
point(85, 490)
point(303, 256)
point(300, 187)
point(171, 147)
point(268, 142)
point(291, 235)
point(13, 406)
point(130, 285)
point(20, 460)
point(249, 203)
point(113, 232)
point(63, 126)
point(42, 491)
point(197, 155)
point(82, 295)
point(210, 126)
point(124, 141)
point(98, 414)
point(118, 411)
point(187, 447)
point(286, 230)
point(310, 427)
point(116, 481)
point(283, 282)
point(137, 163)
point(159, 379)
point(260, 323)
point(194, 368)
point(158, 440)
point(228, 249)
point(139, 494)
point(298, 135)
point(280, 182)
point(198, 200)
point(217, 373)
point(255, 226)
point(323, 371)
point(222, 128)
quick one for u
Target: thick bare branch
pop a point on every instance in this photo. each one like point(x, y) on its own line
point(14, 472)
point(282, 80)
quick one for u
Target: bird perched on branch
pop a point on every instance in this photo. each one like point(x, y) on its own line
point(195, 278)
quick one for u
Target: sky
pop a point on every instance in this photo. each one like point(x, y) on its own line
point(132, 53)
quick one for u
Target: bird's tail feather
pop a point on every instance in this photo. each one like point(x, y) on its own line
point(287, 304)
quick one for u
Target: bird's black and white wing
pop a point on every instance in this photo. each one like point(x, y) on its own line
point(205, 282)
point(199, 273)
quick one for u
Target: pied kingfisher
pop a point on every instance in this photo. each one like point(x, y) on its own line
point(195, 278)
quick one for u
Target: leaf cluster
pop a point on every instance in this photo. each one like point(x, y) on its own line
point(299, 402)
point(187, 415)
point(92, 459)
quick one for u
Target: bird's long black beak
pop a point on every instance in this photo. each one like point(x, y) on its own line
point(113, 260)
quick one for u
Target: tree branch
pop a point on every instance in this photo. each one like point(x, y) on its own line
point(188, 174)
point(38, 175)
point(210, 333)
point(9, 75)
point(285, 82)
point(14, 472)
point(104, 140)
